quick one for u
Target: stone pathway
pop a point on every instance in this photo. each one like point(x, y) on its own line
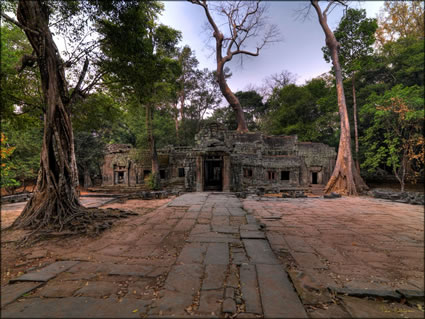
point(210, 255)
point(201, 255)
point(227, 266)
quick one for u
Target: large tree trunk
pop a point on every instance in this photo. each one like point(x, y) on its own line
point(221, 61)
point(345, 178)
point(152, 146)
point(55, 206)
point(231, 98)
point(55, 198)
point(356, 134)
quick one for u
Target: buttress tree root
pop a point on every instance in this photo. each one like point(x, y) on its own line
point(55, 208)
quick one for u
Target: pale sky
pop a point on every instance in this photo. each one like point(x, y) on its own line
point(299, 52)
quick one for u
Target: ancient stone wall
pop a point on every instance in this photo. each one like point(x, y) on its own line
point(245, 161)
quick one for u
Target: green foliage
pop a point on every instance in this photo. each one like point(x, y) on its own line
point(139, 58)
point(401, 19)
point(225, 116)
point(6, 152)
point(152, 181)
point(89, 152)
point(356, 35)
point(137, 51)
point(395, 137)
point(252, 105)
point(309, 111)
point(25, 136)
point(19, 90)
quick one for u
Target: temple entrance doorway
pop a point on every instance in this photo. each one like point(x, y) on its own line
point(314, 178)
point(213, 173)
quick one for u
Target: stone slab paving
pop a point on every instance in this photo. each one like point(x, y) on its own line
point(12, 292)
point(46, 273)
point(182, 259)
point(352, 246)
point(206, 255)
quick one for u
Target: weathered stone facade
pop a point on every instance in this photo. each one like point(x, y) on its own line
point(224, 160)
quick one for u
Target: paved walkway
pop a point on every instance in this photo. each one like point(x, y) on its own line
point(214, 255)
point(201, 255)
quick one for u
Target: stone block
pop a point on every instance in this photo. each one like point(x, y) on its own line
point(259, 252)
point(97, 289)
point(59, 290)
point(229, 292)
point(172, 303)
point(278, 297)
point(210, 301)
point(129, 270)
point(10, 293)
point(229, 305)
point(380, 293)
point(249, 289)
point(46, 273)
point(247, 234)
point(214, 277)
point(76, 307)
point(184, 278)
point(192, 253)
point(217, 254)
point(225, 229)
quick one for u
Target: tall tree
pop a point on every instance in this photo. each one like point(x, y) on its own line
point(345, 178)
point(144, 64)
point(356, 35)
point(395, 137)
point(245, 19)
point(401, 19)
point(55, 204)
point(186, 83)
point(206, 95)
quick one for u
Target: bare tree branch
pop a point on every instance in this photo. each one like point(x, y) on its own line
point(245, 20)
point(17, 23)
point(77, 89)
point(94, 82)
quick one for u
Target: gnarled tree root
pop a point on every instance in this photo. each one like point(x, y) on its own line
point(86, 221)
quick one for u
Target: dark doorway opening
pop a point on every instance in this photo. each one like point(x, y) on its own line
point(161, 174)
point(284, 175)
point(146, 173)
point(213, 173)
point(314, 177)
point(119, 177)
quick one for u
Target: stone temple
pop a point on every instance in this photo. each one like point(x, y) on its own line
point(223, 160)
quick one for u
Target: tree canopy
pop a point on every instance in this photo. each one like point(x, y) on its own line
point(135, 82)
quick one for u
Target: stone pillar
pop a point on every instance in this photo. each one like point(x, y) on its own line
point(226, 173)
point(199, 173)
